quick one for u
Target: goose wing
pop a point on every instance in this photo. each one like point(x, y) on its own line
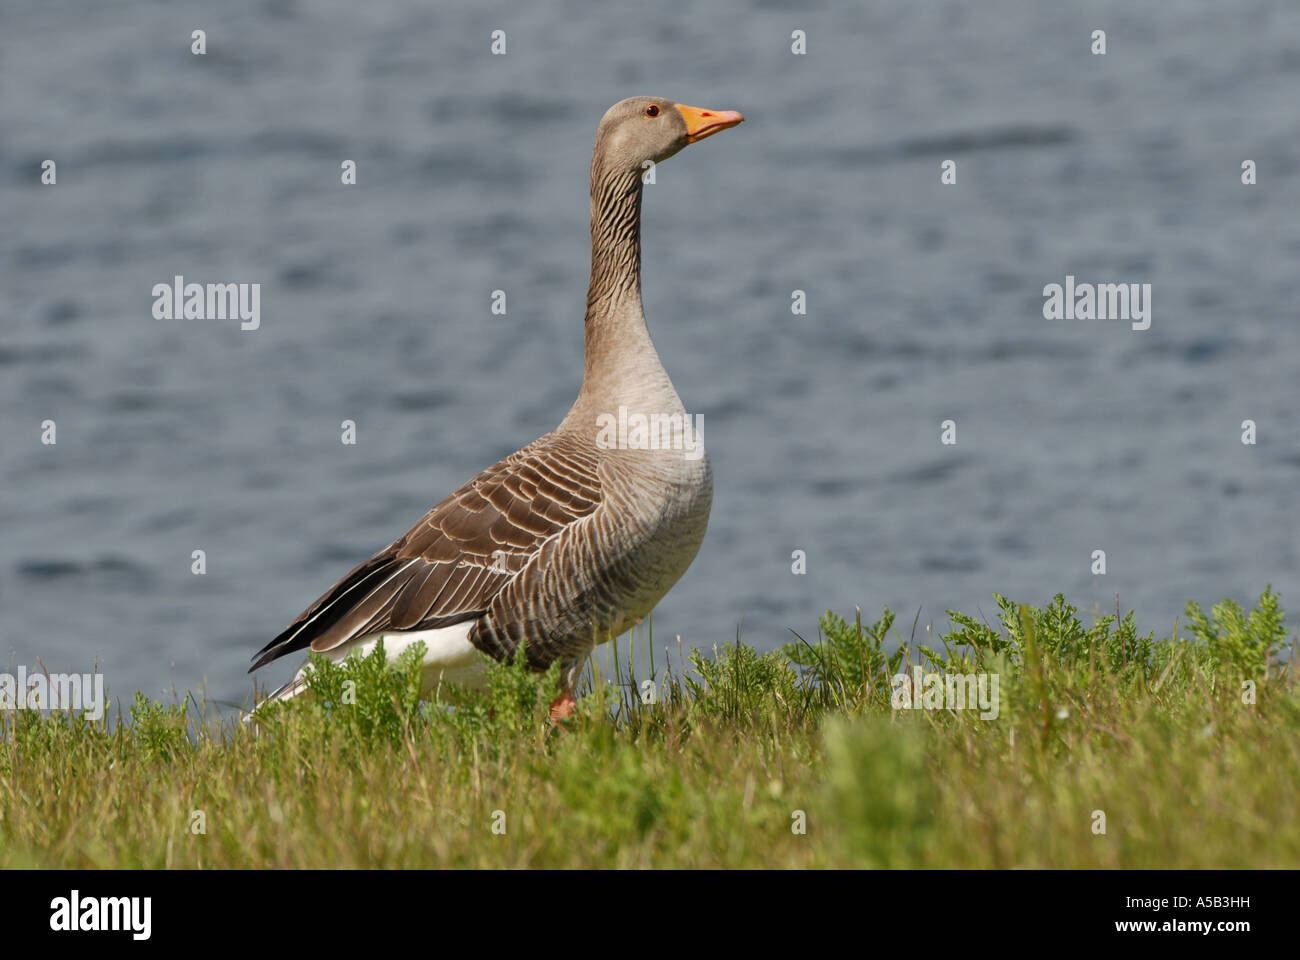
point(448, 567)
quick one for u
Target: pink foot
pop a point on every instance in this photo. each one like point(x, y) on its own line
point(562, 707)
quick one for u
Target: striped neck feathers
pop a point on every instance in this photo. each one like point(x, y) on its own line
point(617, 341)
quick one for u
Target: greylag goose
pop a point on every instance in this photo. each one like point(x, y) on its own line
point(571, 540)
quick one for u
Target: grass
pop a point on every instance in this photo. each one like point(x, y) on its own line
point(1183, 750)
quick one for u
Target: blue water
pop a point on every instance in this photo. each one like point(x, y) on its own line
point(924, 303)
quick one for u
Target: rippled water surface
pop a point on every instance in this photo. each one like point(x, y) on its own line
point(924, 303)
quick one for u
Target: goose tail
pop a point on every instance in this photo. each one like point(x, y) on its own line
point(295, 687)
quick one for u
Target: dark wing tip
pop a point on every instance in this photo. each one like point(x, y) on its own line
point(272, 650)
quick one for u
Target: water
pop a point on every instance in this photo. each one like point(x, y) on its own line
point(924, 303)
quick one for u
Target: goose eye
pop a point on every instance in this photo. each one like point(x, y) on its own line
point(652, 110)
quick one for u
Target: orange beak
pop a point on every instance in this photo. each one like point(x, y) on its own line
point(705, 123)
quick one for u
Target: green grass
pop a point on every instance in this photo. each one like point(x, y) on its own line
point(736, 752)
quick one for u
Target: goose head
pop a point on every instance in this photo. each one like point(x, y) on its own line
point(652, 128)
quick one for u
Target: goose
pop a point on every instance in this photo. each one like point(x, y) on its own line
point(571, 540)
